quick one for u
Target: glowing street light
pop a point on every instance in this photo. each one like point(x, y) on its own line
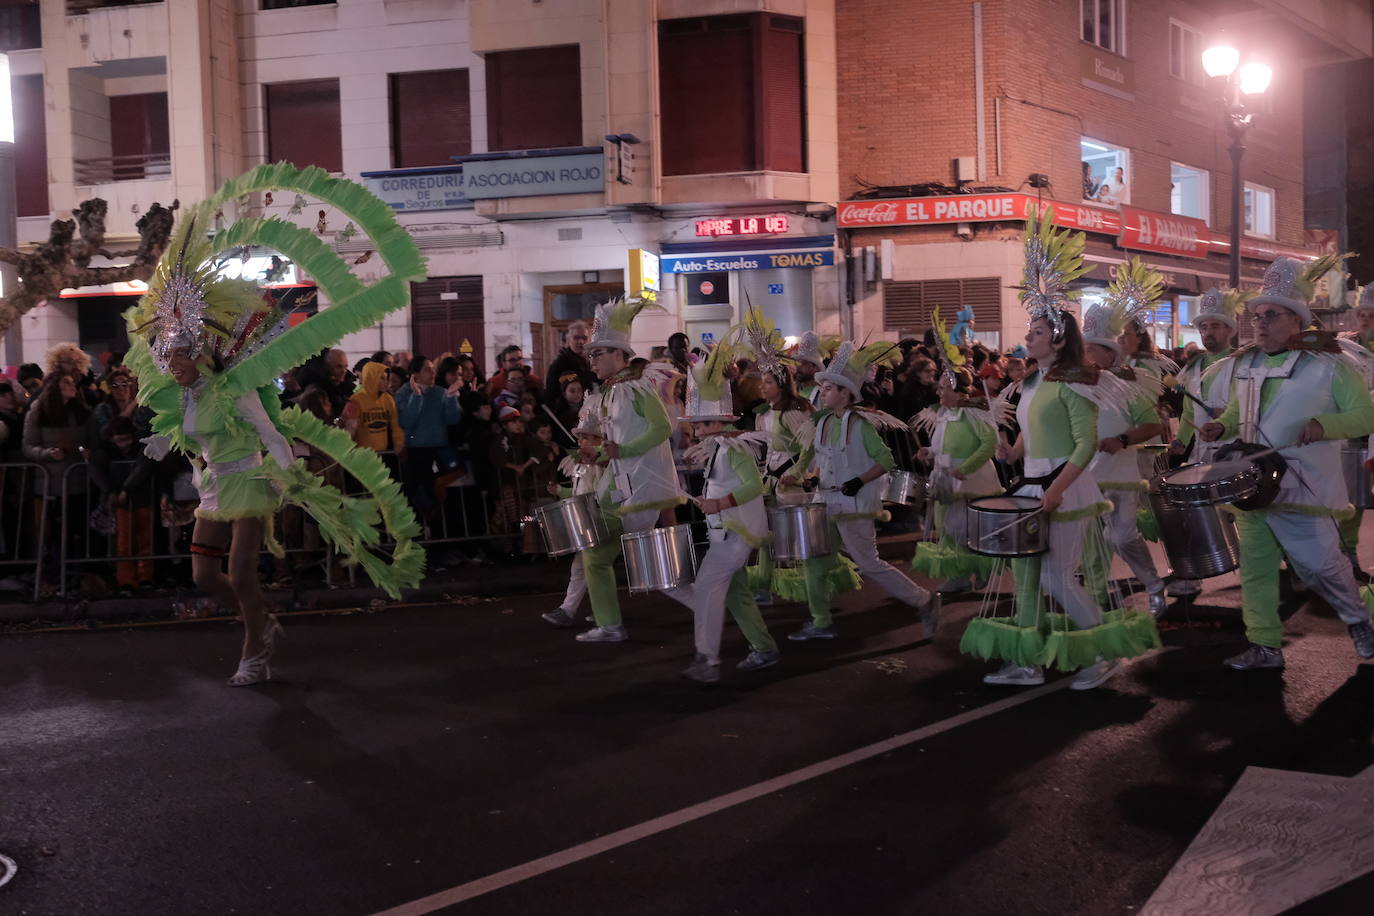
point(1222, 61)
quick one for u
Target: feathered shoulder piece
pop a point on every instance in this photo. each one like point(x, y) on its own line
point(1125, 373)
point(974, 403)
point(751, 443)
point(1074, 375)
point(1107, 392)
point(567, 465)
point(925, 420)
point(879, 419)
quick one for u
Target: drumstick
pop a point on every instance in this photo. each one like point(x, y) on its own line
point(554, 418)
point(1016, 521)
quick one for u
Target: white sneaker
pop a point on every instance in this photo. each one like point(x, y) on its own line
point(1184, 588)
point(604, 634)
point(1093, 675)
point(1016, 676)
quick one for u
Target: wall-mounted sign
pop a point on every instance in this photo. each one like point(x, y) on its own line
point(769, 260)
point(641, 279)
point(742, 225)
point(1104, 71)
point(533, 173)
point(971, 208)
point(1166, 233)
point(417, 190)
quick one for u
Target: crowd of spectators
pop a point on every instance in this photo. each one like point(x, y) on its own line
point(474, 454)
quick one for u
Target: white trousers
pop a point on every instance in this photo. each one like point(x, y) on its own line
point(706, 595)
point(1058, 568)
point(577, 588)
point(860, 539)
point(1313, 546)
point(1122, 535)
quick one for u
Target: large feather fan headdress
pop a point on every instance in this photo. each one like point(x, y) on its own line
point(1053, 260)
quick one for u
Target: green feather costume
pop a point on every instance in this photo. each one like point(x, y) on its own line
point(229, 324)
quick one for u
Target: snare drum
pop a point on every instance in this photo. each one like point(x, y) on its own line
point(1209, 484)
point(1200, 541)
point(1007, 526)
point(571, 525)
point(1357, 479)
point(904, 488)
point(660, 558)
point(800, 532)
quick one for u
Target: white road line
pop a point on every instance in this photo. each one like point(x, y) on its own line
point(691, 813)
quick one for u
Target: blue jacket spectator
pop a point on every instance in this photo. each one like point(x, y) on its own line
point(426, 410)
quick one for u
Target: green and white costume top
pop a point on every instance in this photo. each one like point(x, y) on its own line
point(1273, 397)
point(631, 413)
point(1121, 470)
point(843, 448)
point(1207, 377)
point(962, 439)
point(731, 469)
point(586, 478)
point(788, 432)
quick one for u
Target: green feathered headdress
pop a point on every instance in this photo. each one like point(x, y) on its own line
point(849, 366)
point(1053, 260)
point(708, 390)
point(949, 354)
point(767, 345)
point(611, 323)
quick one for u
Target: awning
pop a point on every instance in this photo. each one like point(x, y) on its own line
point(747, 254)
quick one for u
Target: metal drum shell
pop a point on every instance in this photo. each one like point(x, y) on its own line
point(904, 488)
point(572, 525)
point(659, 559)
point(994, 532)
point(1200, 541)
point(800, 532)
point(1241, 485)
point(1358, 480)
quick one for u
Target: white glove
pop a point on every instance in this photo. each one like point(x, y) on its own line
point(156, 447)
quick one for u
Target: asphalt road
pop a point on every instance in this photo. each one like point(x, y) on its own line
point(404, 753)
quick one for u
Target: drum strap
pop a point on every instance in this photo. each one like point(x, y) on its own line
point(1042, 482)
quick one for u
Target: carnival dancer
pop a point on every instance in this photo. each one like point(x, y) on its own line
point(737, 524)
point(640, 478)
point(1058, 419)
point(1294, 391)
point(579, 466)
point(1115, 467)
point(786, 417)
point(809, 360)
point(1359, 346)
point(853, 461)
point(207, 351)
point(963, 440)
point(1206, 379)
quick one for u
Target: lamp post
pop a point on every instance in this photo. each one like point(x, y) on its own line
point(1223, 61)
point(12, 352)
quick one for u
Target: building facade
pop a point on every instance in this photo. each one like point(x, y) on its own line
point(529, 148)
point(959, 116)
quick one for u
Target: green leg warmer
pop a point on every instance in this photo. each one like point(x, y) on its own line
point(1025, 575)
point(1350, 531)
point(598, 565)
point(740, 600)
point(1259, 580)
point(818, 588)
point(1097, 567)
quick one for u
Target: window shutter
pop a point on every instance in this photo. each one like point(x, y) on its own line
point(782, 119)
point(30, 147)
point(431, 117)
point(706, 95)
point(441, 325)
point(908, 305)
point(303, 124)
point(534, 98)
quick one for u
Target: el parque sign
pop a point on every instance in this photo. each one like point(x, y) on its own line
point(1135, 228)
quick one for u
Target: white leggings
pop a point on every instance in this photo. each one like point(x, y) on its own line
point(860, 539)
point(1123, 536)
point(577, 588)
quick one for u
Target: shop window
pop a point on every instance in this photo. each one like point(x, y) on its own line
point(303, 124)
point(907, 305)
point(20, 27)
point(1106, 172)
point(140, 138)
point(1259, 210)
point(732, 94)
point(431, 117)
point(30, 147)
point(1185, 52)
point(534, 98)
point(1189, 194)
point(1104, 23)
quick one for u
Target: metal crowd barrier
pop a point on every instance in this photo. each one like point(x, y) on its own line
point(22, 526)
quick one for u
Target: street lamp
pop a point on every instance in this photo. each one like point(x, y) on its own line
point(1252, 78)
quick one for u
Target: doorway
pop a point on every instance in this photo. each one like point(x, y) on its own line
point(562, 306)
point(446, 316)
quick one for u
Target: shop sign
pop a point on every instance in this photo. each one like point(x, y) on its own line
point(1104, 70)
point(642, 274)
point(576, 172)
point(769, 260)
point(742, 225)
point(971, 208)
point(1166, 233)
point(418, 190)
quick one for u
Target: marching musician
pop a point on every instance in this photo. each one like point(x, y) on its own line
point(582, 468)
point(1293, 391)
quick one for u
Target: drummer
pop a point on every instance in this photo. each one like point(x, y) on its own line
point(1058, 419)
point(1115, 466)
point(853, 461)
point(581, 467)
point(963, 439)
point(1359, 344)
point(640, 478)
point(1206, 377)
point(737, 524)
point(1294, 390)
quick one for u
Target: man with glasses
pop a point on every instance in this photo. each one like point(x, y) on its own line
point(571, 358)
point(512, 357)
point(1293, 390)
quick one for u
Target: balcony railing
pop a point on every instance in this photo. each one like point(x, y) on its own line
point(122, 168)
point(77, 7)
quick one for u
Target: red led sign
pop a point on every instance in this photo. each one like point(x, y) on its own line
point(742, 225)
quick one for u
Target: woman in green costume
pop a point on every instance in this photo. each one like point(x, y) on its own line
point(206, 351)
point(1057, 415)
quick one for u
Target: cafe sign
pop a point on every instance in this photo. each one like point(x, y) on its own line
point(971, 208)
point(1165, 233)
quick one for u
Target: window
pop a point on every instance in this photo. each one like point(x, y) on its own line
point(732, 94)
point(1185, 52)
point(1106, 172)
point(30, 147)
point(140, 140)
point(1188, 192)
point(430, 117)
point(907, 305)
point(303, 124)
point(534, 98)
point(1259, 210)
point(20, 27)
point(1104, 23)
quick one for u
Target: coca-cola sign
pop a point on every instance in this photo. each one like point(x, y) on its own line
point(971, 208)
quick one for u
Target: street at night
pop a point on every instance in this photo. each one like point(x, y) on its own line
point(412, 752)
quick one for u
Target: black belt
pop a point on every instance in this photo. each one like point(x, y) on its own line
point(1042, 482)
